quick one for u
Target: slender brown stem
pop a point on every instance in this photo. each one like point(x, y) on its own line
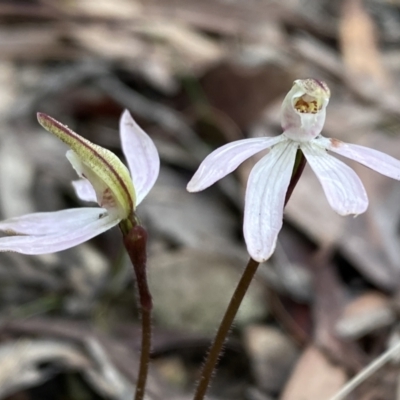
point(144, 355)
point(135, 241)
point(237, 298)
point(224, 328)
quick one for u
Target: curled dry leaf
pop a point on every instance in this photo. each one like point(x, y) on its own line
point(314, 377)
point(21, 360)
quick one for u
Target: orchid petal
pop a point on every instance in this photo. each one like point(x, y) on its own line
point(84, 190)
point(374, 159)
point(343, 188)
point(226, 159)
point(46, 223)
point(104, 167)
point(265, 198)
point(141, 155)
point(70, 233)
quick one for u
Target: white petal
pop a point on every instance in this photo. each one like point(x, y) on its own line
point(141, 155)
point(226, 159)
point(84, 190)
point(376, 160)
point(343, 188)
point(45, 223)
point(98, 185)
point(265, 197)
point(68, 234)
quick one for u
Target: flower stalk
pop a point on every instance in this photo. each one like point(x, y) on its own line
point(135, 242)
point(216, 348)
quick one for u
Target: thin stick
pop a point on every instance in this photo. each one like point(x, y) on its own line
point(366, 373)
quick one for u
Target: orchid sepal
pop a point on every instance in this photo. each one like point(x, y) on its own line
point(105, 171)
point(141, 155)
point(50, 232)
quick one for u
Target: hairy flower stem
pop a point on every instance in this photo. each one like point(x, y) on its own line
point(224, 328)
point(135, 243)
point(237, 298)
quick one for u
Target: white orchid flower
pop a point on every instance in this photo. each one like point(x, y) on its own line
point(105, 180)
point(303, 116)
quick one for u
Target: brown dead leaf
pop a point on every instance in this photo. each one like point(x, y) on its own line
point(118, 9)
point(272, 354)
point(111, 363)
point(186, 43)
point(357, 34)
point(107, 42)
point(318, 53)
point(241, 92)
point(229, 18)
point(365, 314)
point(34, 43)
point(328, 305)
point(21, 360)
point(314, 377)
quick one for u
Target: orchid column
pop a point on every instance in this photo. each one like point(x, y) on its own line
point(274, 177)
point(117, 190)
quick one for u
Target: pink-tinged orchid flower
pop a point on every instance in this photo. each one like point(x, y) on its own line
point(104, 179)
point(303, 116)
